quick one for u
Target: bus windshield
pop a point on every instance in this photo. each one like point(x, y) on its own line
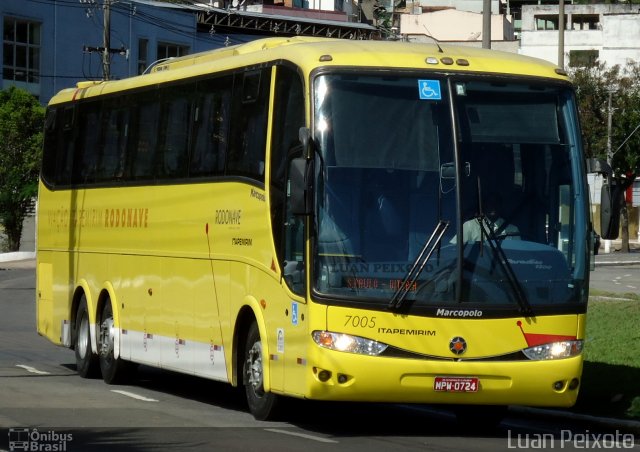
point(496, 161)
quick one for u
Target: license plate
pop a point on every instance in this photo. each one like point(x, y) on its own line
point(456, 384)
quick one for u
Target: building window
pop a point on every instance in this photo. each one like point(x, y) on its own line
point(21, 51)
point(585, 22)
point(583, 58)
point(143, 45)
point(548, 22)
point(166, 50)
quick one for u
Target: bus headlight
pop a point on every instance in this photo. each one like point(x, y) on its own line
point(348, 343)
point(554, 350)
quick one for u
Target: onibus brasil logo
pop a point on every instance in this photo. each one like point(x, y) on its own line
point(34, 440)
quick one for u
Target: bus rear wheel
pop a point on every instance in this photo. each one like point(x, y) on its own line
point(263, 405)
point(86, 360)
point(114, 370)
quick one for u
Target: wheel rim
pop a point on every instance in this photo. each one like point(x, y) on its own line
point(106, 337)
point(254, 369)
point(83, 336)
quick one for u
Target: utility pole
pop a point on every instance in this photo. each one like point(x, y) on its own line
point(486, 24)
point(106, 53)
point(105, 50)
point(609, 125)
point(607, 243)
point(561, 35)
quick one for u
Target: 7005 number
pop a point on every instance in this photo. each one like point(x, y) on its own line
point(358, 321)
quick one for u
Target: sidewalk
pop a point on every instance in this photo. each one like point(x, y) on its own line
point(17, 256)
point(20, 259)
point(25, 257)
point(615, 257)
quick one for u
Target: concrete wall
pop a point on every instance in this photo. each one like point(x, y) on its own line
point(454, 25)
point(475, 6)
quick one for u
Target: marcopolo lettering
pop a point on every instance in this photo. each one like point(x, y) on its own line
point(256, 194)
point(458, 312)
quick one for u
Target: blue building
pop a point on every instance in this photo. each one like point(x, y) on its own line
point(49, 45)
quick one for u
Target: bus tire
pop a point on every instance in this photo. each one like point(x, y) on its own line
point(263, 405)
point(114, 370)
point(86, 360)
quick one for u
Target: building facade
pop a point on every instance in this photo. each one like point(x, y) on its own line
point(609, 33)
point(48, 46)
point(468, 26)
point(457, 22)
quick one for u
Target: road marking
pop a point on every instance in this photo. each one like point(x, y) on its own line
point(134, 396)
point(301, 435)
point(33, 370)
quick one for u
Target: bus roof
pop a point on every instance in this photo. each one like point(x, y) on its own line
point(311, 52)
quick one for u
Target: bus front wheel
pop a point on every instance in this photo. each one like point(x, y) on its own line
point(263, 405)
point(86, 360)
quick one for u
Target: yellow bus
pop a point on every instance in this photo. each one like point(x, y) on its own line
point(283, 215)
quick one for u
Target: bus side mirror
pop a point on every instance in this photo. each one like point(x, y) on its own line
point(599, 166)
point(609, 199)
point(609, 211)
point(301, 186)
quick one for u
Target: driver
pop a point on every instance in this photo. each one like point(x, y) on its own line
point(471, 231)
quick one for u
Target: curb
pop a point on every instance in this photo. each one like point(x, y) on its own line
point(617, 258)
point(17, 256)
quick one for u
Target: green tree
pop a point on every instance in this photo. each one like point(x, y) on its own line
point(615, 91)
point(21, 123)
point(383, 18)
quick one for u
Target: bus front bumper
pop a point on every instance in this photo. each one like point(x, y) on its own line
point(347, 377)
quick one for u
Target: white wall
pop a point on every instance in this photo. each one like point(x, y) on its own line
point(453, 25)
point(462, 5)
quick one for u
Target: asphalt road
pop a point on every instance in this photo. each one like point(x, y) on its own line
point(616, 279)
point(44, 402)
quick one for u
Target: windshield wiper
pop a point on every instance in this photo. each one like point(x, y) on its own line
point(487, 231)
point(418, 265)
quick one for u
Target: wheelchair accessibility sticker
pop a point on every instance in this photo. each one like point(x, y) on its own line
point(429, 89)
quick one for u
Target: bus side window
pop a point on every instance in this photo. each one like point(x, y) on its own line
point(90, 146)
point(249, 124)
point(146, 131)
point(174, 130)
point(210, 127)
point(115, 145)
point(51, 152)
point(59, 145)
